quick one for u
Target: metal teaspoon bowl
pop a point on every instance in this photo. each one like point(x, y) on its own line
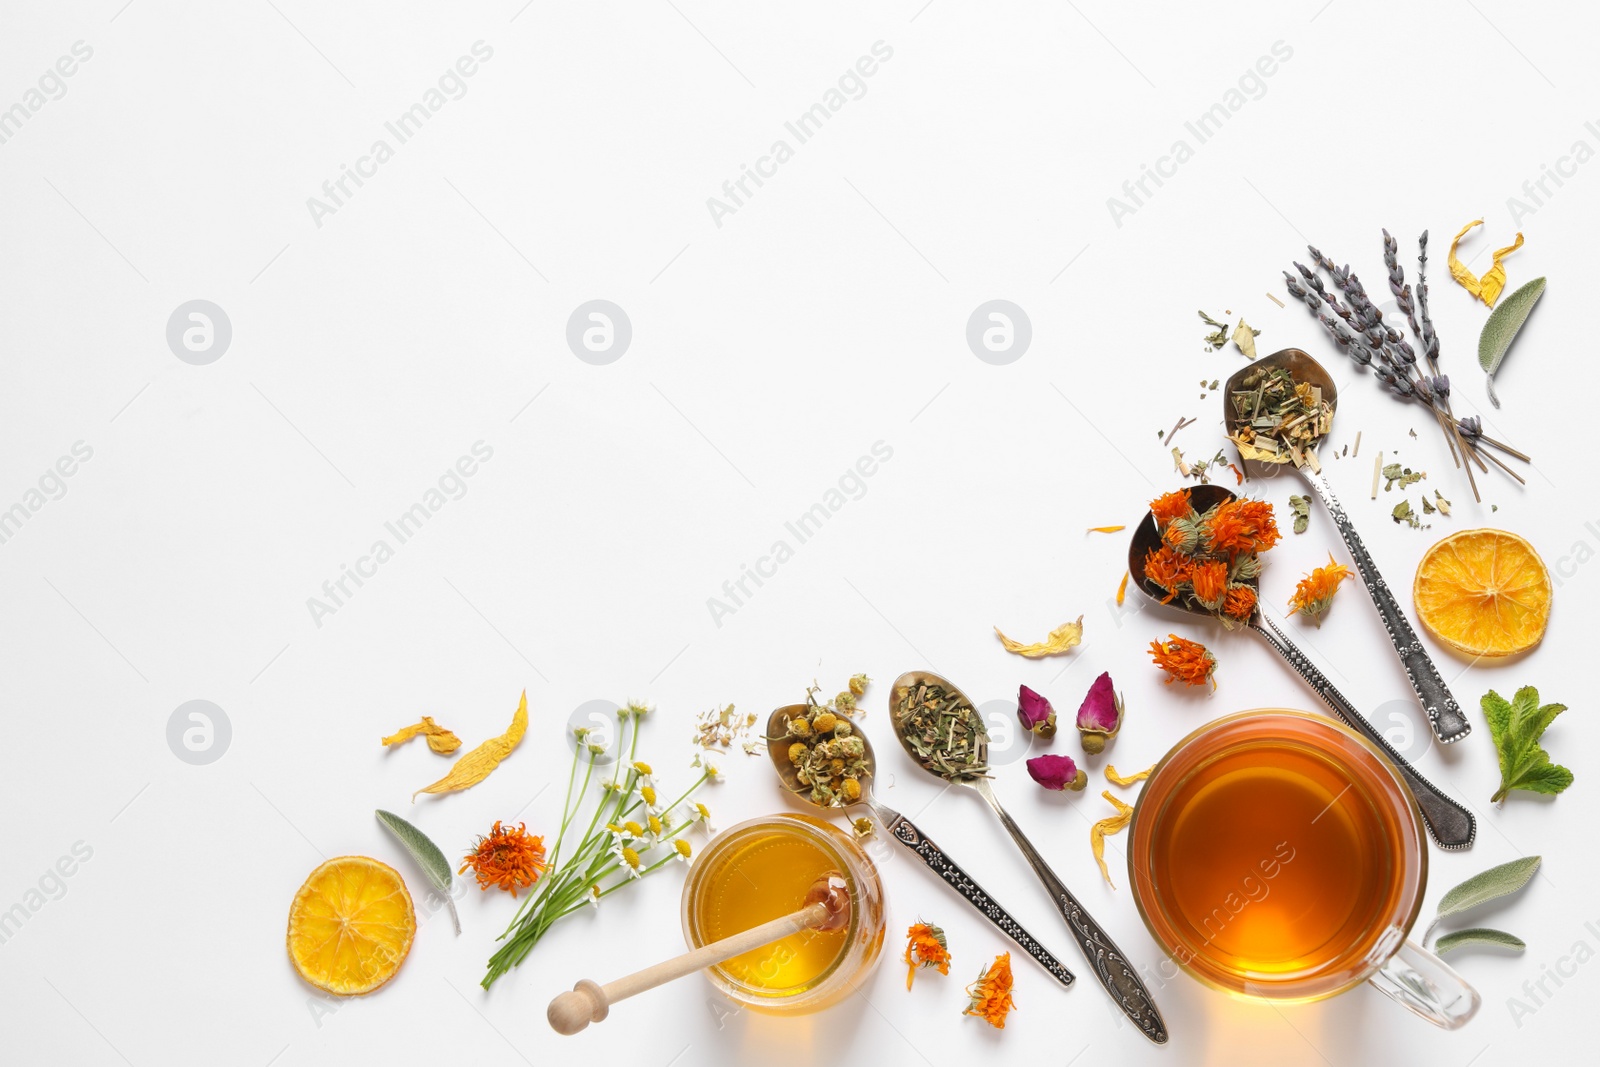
point(1113, 970)
point(1452, 826)
point(1444, 714)
point(904, 831)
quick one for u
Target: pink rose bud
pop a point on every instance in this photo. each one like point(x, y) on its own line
point(1057, 772)
point(1036, 713)
point(1100, 717)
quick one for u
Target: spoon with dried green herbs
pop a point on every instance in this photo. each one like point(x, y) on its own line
point(1276, 411)
point(820, 754)
point(943, 733)
point(1159, 575)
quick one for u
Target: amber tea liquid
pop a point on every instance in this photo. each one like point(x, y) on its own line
point(1274, 862)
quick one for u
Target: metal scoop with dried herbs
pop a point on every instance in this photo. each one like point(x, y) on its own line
point(944, 732)
point(826, 754)
point(1280, 420)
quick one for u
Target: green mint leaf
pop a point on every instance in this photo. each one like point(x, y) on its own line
point(1546, 777)
point(1516, 727)
point(1478, 936)
point(427, 856)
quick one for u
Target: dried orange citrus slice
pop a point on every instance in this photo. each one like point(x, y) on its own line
point(351, 925)
point(1484, 593)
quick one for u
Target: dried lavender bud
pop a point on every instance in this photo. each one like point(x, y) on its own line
point(1441, 384)
point(1424, 390)
point(1471, 426)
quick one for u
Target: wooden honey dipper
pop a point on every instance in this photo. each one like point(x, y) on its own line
point(827, 907)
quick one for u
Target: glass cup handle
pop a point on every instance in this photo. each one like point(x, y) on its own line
point(1427, 986)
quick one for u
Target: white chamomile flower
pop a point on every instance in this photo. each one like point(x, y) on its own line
point(592, 898)
point(681, 851)
point(629, 861)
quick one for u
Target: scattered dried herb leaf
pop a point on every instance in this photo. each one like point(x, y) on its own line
point(1300, 508)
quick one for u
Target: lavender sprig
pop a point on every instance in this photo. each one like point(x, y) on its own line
point(1426, 336)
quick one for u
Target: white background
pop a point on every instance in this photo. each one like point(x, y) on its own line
point(768, 354)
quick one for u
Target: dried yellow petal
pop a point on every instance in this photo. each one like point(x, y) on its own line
point(1062, 638)
point(1116, 779)
point(1105, 529)
point(440, 740)
point(1114, 825)
point(1122, 588)
point(1488, 287)
point(475, 766)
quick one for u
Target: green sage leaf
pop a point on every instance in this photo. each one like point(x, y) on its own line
point(1478, 936)
point(1492, 884)
point(427, 856)
point(1502, 327)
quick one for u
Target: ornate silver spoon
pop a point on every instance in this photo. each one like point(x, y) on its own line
point(1444, 714)
point(904, 831)
point(1452, 826)
point(1110, 966)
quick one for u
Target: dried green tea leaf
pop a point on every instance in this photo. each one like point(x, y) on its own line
point(1300, 508)
point(1502, 327)
point(1478, 936)
point(1245, 339)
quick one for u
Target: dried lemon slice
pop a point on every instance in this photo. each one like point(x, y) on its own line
point(351, 925)
point(1483, 592)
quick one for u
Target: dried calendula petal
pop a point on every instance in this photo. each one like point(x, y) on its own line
point(1116, 779)
point(440, 740)
point(1113, 825)
point(1488, 287)
point(1062, 638)
point(1105, 529)
point(475, 766)
point(1122, 589)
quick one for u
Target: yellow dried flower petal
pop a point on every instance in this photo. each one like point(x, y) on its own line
point(475, 766)
point(1113, 825)
point(1062, 638)
point(1116, 779)
point(1488, 287)
point(440, 740)
point(1105, 529)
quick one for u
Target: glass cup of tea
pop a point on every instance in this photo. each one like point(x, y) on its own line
point(1277, 855)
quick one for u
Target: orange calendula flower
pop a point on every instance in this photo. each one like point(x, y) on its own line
point(925, 947)
point(1169, 506)
point(1240, 603)
point(1184, 661)
point(1242, 526)
point(991, 993)
point(1210, 580)
point(1167, 569)
point(1314, 595)
point(509, 858)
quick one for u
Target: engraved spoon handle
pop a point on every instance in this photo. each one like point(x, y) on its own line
point(1110, 966)
point(1444, 714)
point(905, 831)
point(1453, 827)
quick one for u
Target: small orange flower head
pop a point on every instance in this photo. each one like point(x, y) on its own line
point(1242, 526)
point(1167, 569)
point(509, 858)
point(990, 995)
point(1240, 603)
point(1169, 506)
point(925, 947)
point(1210, 580)
point(1314, 595)
point(1184, 661)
